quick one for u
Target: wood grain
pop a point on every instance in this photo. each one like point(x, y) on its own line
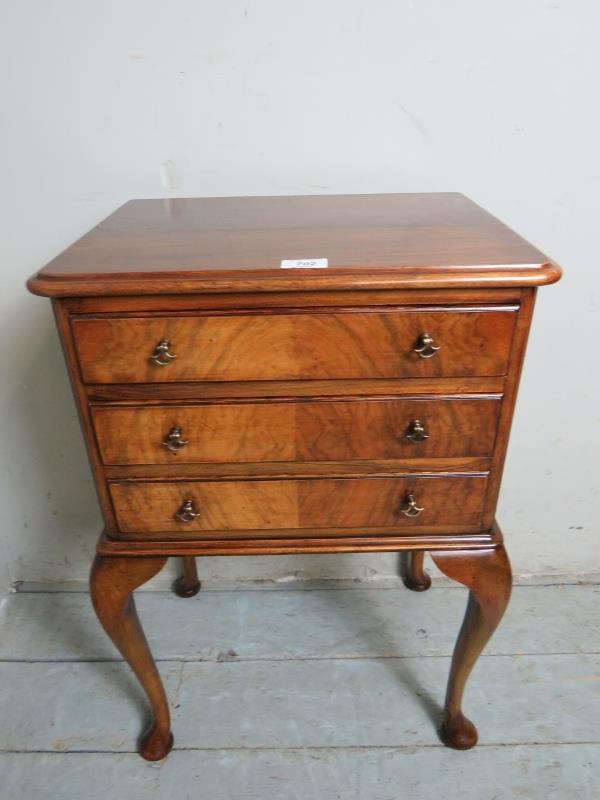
point(357, 468)
point(110, 304)
point(234, 244)
point(157, 393)
point(487, 575)
point(296, 431)
point(112, 583)
point(62, 318)
point(517, 357)
point(295, 346)
point(295, 390)
point(314, 542)
point(306, 504)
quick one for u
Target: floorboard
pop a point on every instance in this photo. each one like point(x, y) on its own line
point(328, 693)
point(546, 772)
point(346, 623)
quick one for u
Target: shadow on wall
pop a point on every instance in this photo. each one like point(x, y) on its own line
point(54, 517)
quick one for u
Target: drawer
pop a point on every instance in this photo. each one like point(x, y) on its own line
point(323, 430)
point(296, 345)
point(453, 503)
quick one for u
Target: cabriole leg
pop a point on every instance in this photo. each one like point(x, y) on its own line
point(112, 582)
point(414, 576)
point(187, 584)
point(486, 573)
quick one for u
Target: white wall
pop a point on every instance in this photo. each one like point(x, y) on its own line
point(495, 99)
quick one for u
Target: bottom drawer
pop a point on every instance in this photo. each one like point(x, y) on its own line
point(193, 509)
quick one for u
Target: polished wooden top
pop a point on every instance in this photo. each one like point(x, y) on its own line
point(224, 244)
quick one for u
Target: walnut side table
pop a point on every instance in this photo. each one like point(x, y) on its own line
point(235, 404)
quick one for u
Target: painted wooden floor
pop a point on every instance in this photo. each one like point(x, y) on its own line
point(325, 693)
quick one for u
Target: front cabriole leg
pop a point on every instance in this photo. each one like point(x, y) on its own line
point(112, 582)
point(487, 574)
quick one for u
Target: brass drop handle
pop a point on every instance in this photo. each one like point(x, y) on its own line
point(161, 355)
point(425, 346)
point(409, 506)
point(416, 432)
point(187, 512)
point(174, 441)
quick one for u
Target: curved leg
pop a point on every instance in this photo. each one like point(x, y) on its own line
point(486, 573)
point(413, 574)
point(187, 584)
point(112, 581)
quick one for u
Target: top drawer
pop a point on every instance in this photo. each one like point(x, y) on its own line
point(296, 345)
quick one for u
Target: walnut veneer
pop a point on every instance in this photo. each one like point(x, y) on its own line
point(234, 407)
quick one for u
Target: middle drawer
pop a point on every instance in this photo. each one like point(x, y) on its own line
point(315, 430)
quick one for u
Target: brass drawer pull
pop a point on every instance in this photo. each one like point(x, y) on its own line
point(174, 443)
point(416, 432)
point(187, 512)
point(409, 506)
point(161, 355)
point(425, 346)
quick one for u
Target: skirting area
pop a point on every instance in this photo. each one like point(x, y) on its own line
point(308, 693)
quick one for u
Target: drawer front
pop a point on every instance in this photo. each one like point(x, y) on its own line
point(296, 431)
point(454, 503)
point(295, 346)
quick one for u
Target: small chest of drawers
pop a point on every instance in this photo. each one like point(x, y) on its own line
point(233, 406)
